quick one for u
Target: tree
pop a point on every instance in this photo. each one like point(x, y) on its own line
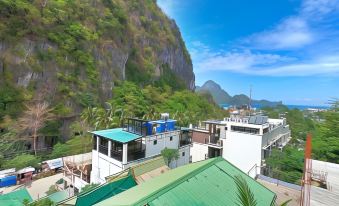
point(41, 202)
point(76, 145)
point(326, 143)
point(22, 161)
point(245, 195)
point(169, 155)
point(34, 118)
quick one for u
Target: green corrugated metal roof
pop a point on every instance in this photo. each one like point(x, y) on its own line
point(209, 182)
point(15, 198)
point(58, 196)
point(106, 191)
point(148, 166)
point(117, 134)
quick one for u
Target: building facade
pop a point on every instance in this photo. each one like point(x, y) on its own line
point(245, 141)
point(117, 149)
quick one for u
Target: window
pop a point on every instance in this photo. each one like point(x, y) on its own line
point(155, 142)
point(183, 154)
point(245, 129)
point(171, 138)
point(226, 128)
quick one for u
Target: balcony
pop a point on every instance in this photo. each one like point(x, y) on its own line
point(117, 155)
point(103, 149)
point(135, 155)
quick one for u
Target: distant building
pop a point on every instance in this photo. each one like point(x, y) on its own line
point(209, 182)
point(117, 149)
point(245, 142)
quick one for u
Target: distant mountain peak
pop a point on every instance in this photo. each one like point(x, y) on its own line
point(220, 96)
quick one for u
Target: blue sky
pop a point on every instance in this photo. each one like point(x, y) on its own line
point(286, 49)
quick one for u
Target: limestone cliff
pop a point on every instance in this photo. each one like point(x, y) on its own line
point(78, 50)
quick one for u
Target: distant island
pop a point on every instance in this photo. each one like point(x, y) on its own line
point(221, 97)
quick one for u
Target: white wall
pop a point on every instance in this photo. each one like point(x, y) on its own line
point(198, 151)
point(79, 183)
point(103, 166)
point(242, 150)
point(183, 159)
point(163, 140)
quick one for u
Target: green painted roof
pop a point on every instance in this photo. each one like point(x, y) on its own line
point(15, 198)
point(209, 182)
point(58, 196)
point(148, 166)
point(105, 191)
point(117, 134)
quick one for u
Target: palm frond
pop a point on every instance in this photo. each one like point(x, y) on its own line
point(245, 195)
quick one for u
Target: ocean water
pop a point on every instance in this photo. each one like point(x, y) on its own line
point(303, 107)
point(289, 106)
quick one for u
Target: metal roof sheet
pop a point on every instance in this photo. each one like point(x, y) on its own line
point(117, 134)
point(15, 198)
point(209, 182)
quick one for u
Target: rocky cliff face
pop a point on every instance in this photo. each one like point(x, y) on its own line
point(78, 51)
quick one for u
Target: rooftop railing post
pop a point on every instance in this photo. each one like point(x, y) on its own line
point(124, 153)
point(98, 140)
point(109, 148)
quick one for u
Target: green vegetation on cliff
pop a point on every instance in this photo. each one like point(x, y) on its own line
point(74, 55)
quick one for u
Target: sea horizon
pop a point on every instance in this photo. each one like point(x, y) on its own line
point(289, 106)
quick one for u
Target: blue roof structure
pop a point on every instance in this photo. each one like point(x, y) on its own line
point(162, 121)
point(117, 134)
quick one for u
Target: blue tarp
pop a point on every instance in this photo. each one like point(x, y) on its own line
point(8, 181)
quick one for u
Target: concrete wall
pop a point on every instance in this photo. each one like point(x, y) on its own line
point(243, 150)
point(163, 140)
point(184, 157)
point(79, 183)
point(198, 151)
point(103, 166)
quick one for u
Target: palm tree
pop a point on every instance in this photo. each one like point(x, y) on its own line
point(34, 118)
point(245, 195)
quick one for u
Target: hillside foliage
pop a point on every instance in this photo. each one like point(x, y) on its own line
point(287, 165)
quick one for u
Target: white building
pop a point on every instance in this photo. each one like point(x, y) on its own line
point(117, 149)
point(245, 142)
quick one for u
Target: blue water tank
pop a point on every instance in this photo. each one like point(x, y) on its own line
point(170, 125)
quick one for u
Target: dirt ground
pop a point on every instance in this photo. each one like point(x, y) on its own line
point(283, 193)
point(37, 188)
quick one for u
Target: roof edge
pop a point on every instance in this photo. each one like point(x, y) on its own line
point(170, 186)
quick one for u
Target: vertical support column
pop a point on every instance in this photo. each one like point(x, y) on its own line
point(98, 141)
point(124, 153)
point(109, 147)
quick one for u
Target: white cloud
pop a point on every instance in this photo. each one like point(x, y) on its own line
point(296, 31)
point(305, 44)
point(292, 33)
point(264, 64)
point(318, 8)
